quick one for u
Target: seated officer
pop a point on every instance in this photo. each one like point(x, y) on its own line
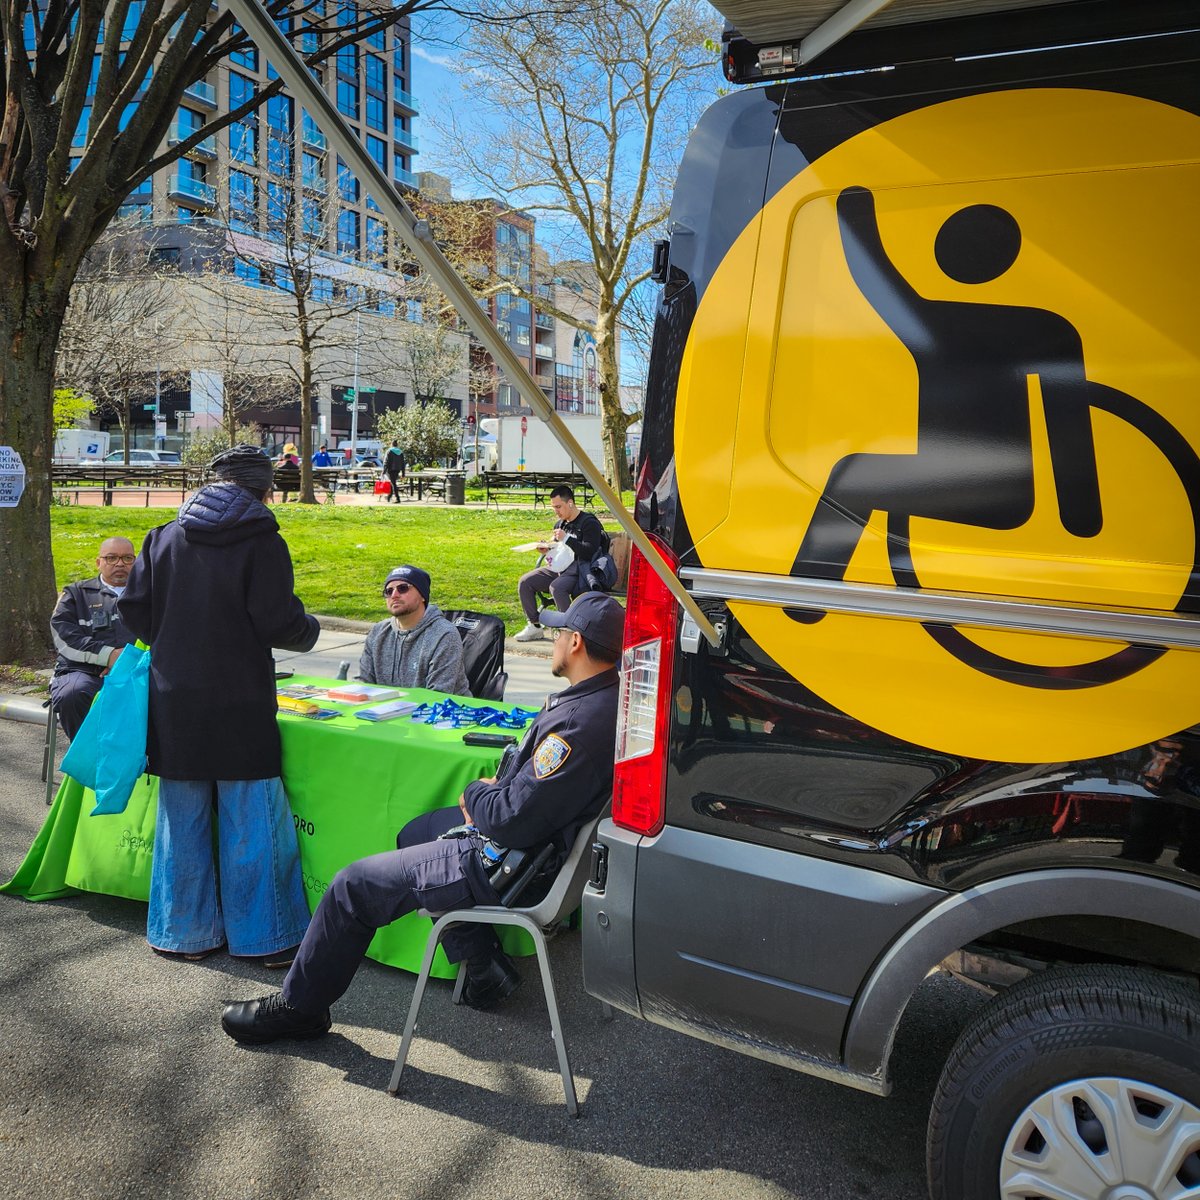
point(88, 633)
point(415, 646)
point(559, 779)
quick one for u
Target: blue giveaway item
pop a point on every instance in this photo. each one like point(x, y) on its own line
point(449, 714)
point(108, 754)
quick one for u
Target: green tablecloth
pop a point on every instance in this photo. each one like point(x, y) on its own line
point(352, 785)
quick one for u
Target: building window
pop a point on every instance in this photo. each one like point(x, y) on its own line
point(347, 232)
point(279, 203)
point(312, 221)
point(347, 62)
point(376, 239)
point(279, 135)
point(322, 289)
point(347, 182)
point(248, 272)
point(377, 113)
point(377, 149)
point(375, 72)
point(398, 56)
point(347, 98)
point(413, 312)
point(243, 201)
point(375, 41)
point(243, 134)
point(246, 57)
point(312, 171)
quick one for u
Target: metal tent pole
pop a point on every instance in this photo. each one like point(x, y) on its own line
point(419, 239)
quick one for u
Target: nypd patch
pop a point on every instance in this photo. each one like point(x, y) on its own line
point(550, 755)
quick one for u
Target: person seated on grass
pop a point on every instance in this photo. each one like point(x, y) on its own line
point(88, 633)
point(583, 533)
point(556, 782)
point(415, 646)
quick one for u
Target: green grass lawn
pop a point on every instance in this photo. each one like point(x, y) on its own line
point(342, 555)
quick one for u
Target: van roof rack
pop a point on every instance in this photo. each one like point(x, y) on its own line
point(769, 40)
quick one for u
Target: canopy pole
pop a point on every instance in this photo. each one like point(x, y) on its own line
point(419, 239)
point(842, 23)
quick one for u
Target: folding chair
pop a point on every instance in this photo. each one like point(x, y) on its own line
point(483, 651)
point(562, 900)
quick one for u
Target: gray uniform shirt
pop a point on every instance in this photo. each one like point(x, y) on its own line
point(430, 655)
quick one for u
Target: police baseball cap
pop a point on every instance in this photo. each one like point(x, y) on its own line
point(413, 575)
point(598, 617)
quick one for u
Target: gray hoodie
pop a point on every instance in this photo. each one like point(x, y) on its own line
point(430, 655)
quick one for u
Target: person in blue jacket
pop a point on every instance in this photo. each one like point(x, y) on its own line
point(559, 779)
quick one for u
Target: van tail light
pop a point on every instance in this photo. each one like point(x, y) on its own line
point(643, 718)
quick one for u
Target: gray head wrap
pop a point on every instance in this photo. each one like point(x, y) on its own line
point(246, 465)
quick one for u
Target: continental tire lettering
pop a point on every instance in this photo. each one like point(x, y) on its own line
point(1001, 1066)
point(963, 359)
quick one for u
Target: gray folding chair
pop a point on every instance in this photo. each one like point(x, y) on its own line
point(562, 899)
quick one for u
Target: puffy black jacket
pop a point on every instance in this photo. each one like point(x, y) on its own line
point(212, 593)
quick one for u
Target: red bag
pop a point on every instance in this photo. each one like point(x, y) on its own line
point(383, 487)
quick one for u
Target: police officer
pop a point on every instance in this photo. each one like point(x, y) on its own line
point(558, 780)
point(88, 633)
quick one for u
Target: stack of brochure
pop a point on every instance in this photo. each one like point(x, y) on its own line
point(360, 693)
point(385, 712)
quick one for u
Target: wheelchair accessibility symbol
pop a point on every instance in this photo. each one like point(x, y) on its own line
point(968, 366)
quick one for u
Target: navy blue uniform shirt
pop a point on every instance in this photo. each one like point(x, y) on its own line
point(562, 775)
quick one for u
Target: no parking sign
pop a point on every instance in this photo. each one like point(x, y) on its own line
point(12, 477)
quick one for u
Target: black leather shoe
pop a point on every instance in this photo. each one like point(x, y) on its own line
point(491, 982)
point(256, 1022)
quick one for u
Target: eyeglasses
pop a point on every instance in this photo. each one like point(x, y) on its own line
point(125, 560)
point(398, 588)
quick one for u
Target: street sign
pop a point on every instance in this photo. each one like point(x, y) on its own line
point(360, 407)
point(12, 477)
point(153, 408)
point(348, 395)
point(367, 391)
point(524, 426)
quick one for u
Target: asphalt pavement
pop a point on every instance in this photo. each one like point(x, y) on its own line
point(117, 1081)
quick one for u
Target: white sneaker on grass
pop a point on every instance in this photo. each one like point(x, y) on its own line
point(531, 633)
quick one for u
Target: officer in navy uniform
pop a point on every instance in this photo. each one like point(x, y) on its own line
point(88, 633)
point(559, 779)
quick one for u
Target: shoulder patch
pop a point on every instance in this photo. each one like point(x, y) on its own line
point(550, 755)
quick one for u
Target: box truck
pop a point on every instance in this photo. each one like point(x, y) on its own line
point(525, 444)
point(79, 445)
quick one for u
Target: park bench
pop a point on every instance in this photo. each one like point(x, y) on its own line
point(75, 480)
point(513, 485)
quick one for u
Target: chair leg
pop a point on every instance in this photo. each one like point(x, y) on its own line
point(48, 755)
point(414, 1008)
point(460, 982)
point(556, 1032)
point(606, 1011)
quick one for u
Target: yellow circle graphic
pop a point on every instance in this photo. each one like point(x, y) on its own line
point(960, 351)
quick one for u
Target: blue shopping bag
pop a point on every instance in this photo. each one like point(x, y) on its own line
point(108, 753)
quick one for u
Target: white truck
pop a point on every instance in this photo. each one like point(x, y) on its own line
point(79, 445)
point(536, 449)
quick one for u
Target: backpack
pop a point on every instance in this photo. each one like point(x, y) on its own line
point(601, 573)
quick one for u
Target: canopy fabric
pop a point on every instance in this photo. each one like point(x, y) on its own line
point(764, 21)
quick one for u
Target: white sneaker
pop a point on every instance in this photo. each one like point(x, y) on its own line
point(531, 633)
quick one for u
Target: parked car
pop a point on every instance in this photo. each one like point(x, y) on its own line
point(137, 458)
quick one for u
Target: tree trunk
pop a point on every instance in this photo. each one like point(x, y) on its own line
point(613, 419)
point(28, 338)
point(307, 494)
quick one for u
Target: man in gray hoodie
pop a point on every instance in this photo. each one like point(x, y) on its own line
point(416, 646)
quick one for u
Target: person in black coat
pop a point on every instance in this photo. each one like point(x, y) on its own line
point(212, 593)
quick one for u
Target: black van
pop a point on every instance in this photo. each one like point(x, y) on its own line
point(921, 437)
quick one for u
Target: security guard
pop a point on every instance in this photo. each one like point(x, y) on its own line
point(88, 633)
point(558, 780)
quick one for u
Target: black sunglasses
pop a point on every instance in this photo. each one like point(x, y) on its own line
point(397, 587)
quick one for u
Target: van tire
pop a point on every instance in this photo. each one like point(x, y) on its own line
point(1050, 1035)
